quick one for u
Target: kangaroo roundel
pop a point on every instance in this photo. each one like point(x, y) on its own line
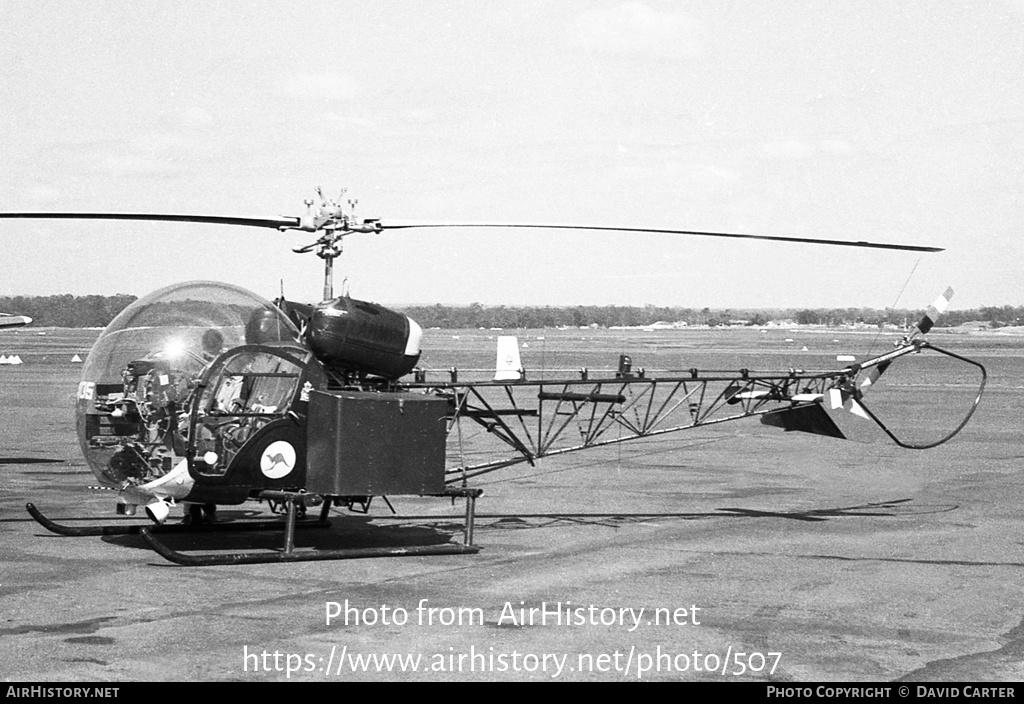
point(278, 459)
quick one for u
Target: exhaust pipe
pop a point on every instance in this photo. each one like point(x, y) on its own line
point(158, 511)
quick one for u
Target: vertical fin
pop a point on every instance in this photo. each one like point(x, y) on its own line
point(508, 366)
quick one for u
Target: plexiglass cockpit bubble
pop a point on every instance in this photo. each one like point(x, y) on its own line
point(144, 365)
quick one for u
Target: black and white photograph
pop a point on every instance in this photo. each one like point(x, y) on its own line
point(512, 341)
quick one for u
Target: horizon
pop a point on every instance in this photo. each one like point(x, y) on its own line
point(695, 307)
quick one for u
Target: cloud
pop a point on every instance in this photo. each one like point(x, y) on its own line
point(837, 147)
point(800, 149)
point(635, 28)
point(139, 165)
point(153, 153)
point(195, 117)
point(320, 86)
point(43, 195)
point(1015, 6)
point(787, 149)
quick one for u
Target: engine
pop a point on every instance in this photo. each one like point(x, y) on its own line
point(351, 336)
point(143, 369)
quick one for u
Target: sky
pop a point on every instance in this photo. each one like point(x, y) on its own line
point(862, 120)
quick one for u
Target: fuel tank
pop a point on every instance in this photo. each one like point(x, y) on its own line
point(363, 338)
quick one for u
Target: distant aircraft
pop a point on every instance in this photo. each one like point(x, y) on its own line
point(13, 321)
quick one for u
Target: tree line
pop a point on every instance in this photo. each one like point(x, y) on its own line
point(67, 311)
point(477, 316)
point(97, 311)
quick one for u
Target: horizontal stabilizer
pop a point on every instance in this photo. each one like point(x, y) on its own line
point(806, 419)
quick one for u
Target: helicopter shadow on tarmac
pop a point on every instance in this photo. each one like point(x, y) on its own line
point(425, 530)
point(349, 533)
point(890, 508)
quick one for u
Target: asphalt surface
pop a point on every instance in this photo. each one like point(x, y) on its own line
point(742, 553)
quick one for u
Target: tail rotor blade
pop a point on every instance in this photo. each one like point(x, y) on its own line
point(932, 314)
point(935, 310)
point(858, 410)
point(872, 376)
point(847, 398)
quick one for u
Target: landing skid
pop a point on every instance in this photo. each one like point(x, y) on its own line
point(137, 528)
point(253, 558)
point(292, 502)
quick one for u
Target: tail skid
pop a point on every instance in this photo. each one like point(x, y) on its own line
point(867, 373)
point(851, 396)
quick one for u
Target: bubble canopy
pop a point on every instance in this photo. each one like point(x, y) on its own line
point(186, 324)
point(152, 353)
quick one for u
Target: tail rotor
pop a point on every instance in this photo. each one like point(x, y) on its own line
point(861, 378)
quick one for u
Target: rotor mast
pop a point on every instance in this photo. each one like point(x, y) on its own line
point(334, 223)
point(328, 253)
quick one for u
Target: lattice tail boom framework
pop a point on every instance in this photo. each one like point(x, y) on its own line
point(534, 419)
point(497, 423)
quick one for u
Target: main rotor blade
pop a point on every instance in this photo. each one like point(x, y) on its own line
point(697, 233)
point(294, 222)
point(274, 223)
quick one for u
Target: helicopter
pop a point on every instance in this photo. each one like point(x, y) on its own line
point(206, 394)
